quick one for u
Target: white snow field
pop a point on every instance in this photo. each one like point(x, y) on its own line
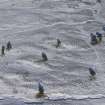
point(33, 26)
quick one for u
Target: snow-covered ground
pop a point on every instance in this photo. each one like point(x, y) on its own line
point(33, 27)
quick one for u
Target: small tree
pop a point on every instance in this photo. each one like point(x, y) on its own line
point(99, 36)
point(58, 43)
point(92, 73)
point(93, 39)
point(44, 56)
point(9, 46)
point(3, 50)
point(41, 89)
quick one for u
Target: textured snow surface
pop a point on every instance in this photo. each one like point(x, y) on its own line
point(33, 26)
